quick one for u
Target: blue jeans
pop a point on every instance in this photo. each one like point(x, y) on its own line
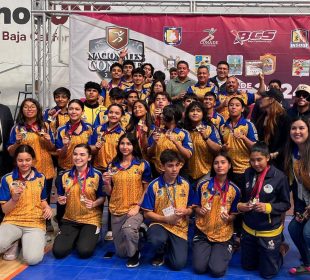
point(300, 234)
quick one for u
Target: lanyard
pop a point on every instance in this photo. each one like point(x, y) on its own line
point(23, 179)
point(32, 127)
point(218, 189)
point(232, 127)
point(110, 131)
point(171, 199)
point(79, 179)
point(157, 121)
point(259, 183)
point(73, 128)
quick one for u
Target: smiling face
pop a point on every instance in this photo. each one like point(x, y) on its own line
point(91, 95)
point(127, 70)
point(232, 85)
point(209, 102)
point(139, 110)
point(24, 162)
point(114, 114)
point(75, 111)
point(81, 157)
point(222, 71)
point(259, 161)
point(117, 73)
point(203, 75)
point(61, 100)
point(158, 87)
point(30, 110)
point(299, 132)
point(126, 147)
point(195, 114)
point(182, 71)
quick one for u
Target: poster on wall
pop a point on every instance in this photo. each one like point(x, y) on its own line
point(250, 44)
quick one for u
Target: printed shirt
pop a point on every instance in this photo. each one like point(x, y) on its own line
point(60, 120)
point(175, 86)
point(44, 162)
point(75, 208)
point(102, 118)
point(156, 199)
point(200, 162)
point(200, 91)
point(90, 113)
point(66, 162)
point(211, 224)
point(181, 135)
point(237, 149)
point(106, 101)
point(125, 83)
point(142, 95)
point(247, 97)
point(109, 144)
point(28, 211)
point(127, 183)
point(217, 119)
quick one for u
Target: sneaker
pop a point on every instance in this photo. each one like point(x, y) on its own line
point(12, 253)
point(108, 236)
point(300, 270)
point(134, 260)
point(158, 260)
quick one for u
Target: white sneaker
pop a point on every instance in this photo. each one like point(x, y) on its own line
point(12, 253)
point(108, 236)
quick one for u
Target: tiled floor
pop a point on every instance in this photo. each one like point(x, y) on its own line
point(97, 268)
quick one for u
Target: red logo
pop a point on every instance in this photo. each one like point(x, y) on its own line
point(260, 36)
point(117, 37)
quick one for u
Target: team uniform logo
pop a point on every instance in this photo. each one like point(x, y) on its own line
point(117, 37)
point(209, 39)
point(299, 39)
point(173, 35)
point(260, 36)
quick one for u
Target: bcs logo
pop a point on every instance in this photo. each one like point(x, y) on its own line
point(260, 36)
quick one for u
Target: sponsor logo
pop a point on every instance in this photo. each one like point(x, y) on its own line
point(103, 52)
point(260, 36)
point(299, 39)
point(173, 35)
point(271, 245)
point(269, 63)
point(209, 39)
point(268, 188)
point(117, 37)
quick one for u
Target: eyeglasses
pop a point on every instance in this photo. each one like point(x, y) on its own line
point(29, 107)
point(303, 94)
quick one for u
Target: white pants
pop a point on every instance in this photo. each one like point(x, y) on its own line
point(33, 241)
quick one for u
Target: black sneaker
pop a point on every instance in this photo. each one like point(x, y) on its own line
point(134, 260)
point(158, 260)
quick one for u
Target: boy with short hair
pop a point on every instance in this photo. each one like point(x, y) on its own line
point(138, 82)
point(209, 102)
point(167, 203)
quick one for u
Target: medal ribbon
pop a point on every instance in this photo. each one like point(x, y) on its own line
point(78, 179)
point(218, 189)
point(259, 183)
point(171, 199)
point(73, 128)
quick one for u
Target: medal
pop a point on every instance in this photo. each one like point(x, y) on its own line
point(208, 206)
point(223, 209)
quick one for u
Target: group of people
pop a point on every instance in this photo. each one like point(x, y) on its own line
point(163, 155)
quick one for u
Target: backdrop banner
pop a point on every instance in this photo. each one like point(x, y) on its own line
point(276, 46)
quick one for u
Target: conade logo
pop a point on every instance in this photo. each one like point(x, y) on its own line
point(20, 15)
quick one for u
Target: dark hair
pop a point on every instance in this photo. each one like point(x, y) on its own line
point(164, 93)
point(148, 64)
point(290, 146)
point(85, 146)
point(276, 82)
point(116, 64)
point(192, 96)
point(182, 62)
point(93, 85)
point(130, 92)
point(77, 101)
point(260, 147)
point(239, 99)
point(152, 93)
point(116, 105)
point(173, 69)
point(128, 62)
point(159, 75)
point(136, 152)
point(62, 90)
point(169, 155)
point(133, 122)
point(172, 112)
point(21, 119)
point(222, 62)
point(203, 67)
point(116, 93)
point(225, 155)
point(210, 93)
point(138, 71)
point(24, 149)
point(188, 125)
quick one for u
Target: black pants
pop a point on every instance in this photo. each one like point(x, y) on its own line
point(72, 234)
point(60, 211)
point(210, 256)
point(176, 247)
point(262, 253)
